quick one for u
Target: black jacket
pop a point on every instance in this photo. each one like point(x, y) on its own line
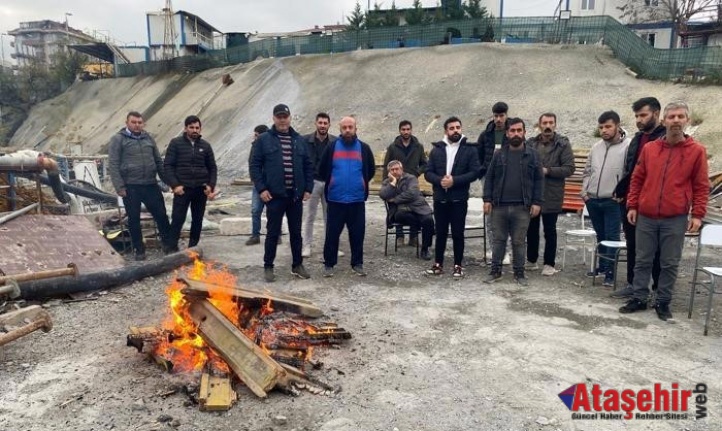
point(532, 180)
point(266, 165)
point(631, 160)
point(325, 167)
point(315, 151)
point(485, 147)
point(133, 160)
point(414, 162)
point(464, 171)
point(559, 161)
point(190, 165)
point(406, 194)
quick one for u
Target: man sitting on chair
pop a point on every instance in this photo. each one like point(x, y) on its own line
point(407, 205)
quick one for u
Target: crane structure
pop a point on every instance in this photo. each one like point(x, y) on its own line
point(170, 50)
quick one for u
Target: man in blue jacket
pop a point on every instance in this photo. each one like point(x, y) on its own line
point(347, 165)
point(282, 173)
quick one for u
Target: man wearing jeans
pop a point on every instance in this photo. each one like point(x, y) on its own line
point(670, 182)
point(317, 143)
point(282, 173)
point(256, 202)
point(513, 192)
point(604, 169)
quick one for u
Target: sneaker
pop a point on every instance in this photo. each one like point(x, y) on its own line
point(632, 306)
point(341, 254)
point(596, 273)
point(521, 279)
point(413, 241)
point(425, 254)
point(662, 309)
point(531, 266)
point(507, 259)
point(399, 241)
point(306, 252)
point(268, 275)
point(328, 271)
point(253, 240)
point(436, 269)
point(608, 280)
point(359, 270)
point(139, 256)
point(548, 270)
point(492, 277)
point(300, 272)
point(458, 272)
point(627, 292)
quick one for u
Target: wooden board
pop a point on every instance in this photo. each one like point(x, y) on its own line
point(216, 393)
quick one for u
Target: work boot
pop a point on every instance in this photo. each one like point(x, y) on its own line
point(268, 275)
point(662, 309)
point(413, 241)
point(633, 305)
point(425, 253)
point(300, 272)
point(626, 292)
point(253, 240)
point(399, 241)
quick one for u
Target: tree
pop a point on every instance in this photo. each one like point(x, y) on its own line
point(678, 11)
point(66, 66)
point(452, 9)
point(416, 15)
point(356, 20)
point(374, 18)
point(473, 9)
point(392, 16)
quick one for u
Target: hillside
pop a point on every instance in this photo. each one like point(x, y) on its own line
point(379, 87)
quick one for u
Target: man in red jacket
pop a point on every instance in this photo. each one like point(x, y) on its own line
point(673, 173)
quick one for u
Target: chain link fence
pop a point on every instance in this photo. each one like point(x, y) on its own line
point(630, 49)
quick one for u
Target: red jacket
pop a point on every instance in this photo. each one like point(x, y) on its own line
point(669, 180)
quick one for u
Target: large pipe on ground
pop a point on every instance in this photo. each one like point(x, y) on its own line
point(30, 161)
point(37, 289)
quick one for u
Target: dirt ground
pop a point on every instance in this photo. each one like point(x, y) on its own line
point(427, 353)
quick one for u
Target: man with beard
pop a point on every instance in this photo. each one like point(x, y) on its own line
point(190, 170)
point(347, 165)
point(317, 143)
point(282, 173)
point(557, 160)
point(407, 149)
point(133, 163)
point(453, 166)
point(674, 168)
point(604, 168)
point(646, 112)
point(512, 195)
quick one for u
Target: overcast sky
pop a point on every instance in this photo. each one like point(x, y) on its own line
point(124, 20)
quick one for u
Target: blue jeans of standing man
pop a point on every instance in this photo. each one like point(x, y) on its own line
point(605, 215)
point(256, 211)
point(509, 220)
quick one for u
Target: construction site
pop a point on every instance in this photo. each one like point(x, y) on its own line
point(197, 340)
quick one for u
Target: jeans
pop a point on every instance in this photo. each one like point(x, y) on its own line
point(450, 214)
point(256, 211)
point(667, 236)
point(196, 198)
point(311, 208)
point(550, 238)
point(630, 235)
point(605, 220)
point(275, 209)
point(353, 216)
point(506, 221)
point(417, 222)
point(151, 196)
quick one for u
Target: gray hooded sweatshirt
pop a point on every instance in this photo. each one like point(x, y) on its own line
point(604, 168)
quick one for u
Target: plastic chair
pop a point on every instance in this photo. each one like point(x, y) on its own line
point(391, 229)
point(620, 255)
point(711, 235)
point(580, 234)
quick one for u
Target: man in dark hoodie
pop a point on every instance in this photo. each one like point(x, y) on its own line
point(282, 173)
point(453, 166)
point(407, 149)
point(493, 137)
point(646, 112)
point(134, 163)
point(190, 168)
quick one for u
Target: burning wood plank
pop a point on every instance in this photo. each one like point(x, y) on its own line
point(146, 339)
point(281, 302)
point(216, 393)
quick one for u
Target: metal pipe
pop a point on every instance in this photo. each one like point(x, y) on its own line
point(72, 269)
point(18, 213)
point(11, 290)
point(43, 323)
point(21, 162)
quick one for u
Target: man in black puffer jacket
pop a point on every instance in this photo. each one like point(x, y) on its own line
point(190, 169)
point(493, 137)
point(134, 162)
point(453, 166)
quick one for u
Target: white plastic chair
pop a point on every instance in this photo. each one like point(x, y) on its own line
point(711, 235)
point(580, 235)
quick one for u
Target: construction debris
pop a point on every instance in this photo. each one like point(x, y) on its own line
point(24, 321)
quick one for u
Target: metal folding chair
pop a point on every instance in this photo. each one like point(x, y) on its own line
point(711, 235)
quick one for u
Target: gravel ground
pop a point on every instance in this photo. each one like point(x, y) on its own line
point(427, 353)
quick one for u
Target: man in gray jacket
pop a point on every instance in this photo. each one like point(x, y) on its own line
point(557, 160)
point(407, 205)
point(604, 169)
point(134, 163)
